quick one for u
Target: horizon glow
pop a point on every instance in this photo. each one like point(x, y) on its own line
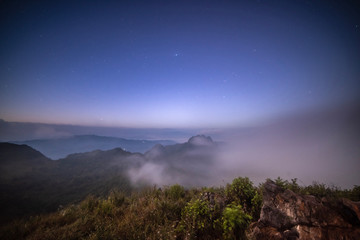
point(175, 64)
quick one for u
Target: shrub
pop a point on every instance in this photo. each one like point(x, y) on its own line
point(256, 204)
point(242, 192)
point(354, 194)
point(320, 190)
point(175, 192)
point(117, 198)
point(281, 182)
point(196, 219)
point(234, 222)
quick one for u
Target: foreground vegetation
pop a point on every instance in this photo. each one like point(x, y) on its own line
point(320, 190)
point(162, 213)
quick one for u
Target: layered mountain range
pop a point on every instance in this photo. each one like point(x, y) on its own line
point(31, 183)
point(57, 148)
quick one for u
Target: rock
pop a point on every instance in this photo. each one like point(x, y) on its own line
point(287, 215)
point(213, 199)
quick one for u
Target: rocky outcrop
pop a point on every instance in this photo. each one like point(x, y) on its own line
point(287, 215)
point(201, 140)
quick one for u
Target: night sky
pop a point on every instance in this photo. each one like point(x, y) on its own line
point(175, 63)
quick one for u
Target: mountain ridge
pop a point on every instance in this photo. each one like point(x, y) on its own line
point(74, 177)
point(57, 148)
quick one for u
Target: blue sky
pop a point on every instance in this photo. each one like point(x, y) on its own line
point(175, 63)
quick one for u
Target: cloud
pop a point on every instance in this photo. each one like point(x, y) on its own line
point(150, 173)
point(313, 146)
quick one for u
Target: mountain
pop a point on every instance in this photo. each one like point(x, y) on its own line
point(20, 161)
point(61, 147)
point(32, 183)
point(24, 174)
point(197, 147)
point(189, 163)
point(201, 140)
point(14, 153)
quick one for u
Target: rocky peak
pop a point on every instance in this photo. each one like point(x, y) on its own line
point(155, 151)
point(158, 147)
point(287, 215)
point(201, 140)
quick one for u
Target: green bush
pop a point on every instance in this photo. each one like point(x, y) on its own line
point(242, 192)
point(281, 182)
point(175, 192)
point(285, 184)
point(235, 222)
point(354, 194)
point(256, 204)
point(319, 189)
point(196, 219)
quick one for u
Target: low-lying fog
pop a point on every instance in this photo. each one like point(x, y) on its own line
point(322, 146)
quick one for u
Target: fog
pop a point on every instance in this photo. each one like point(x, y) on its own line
point(323, 155)
point(314, 146)
point(319, 146)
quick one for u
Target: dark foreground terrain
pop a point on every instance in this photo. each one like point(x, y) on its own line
point(274, 210)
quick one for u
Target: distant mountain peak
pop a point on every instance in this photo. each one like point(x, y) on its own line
point(159, 147)
point(19, 152)
point(155, 151)
point(201, 140)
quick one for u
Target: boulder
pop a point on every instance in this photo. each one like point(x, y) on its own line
point(287, 215)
